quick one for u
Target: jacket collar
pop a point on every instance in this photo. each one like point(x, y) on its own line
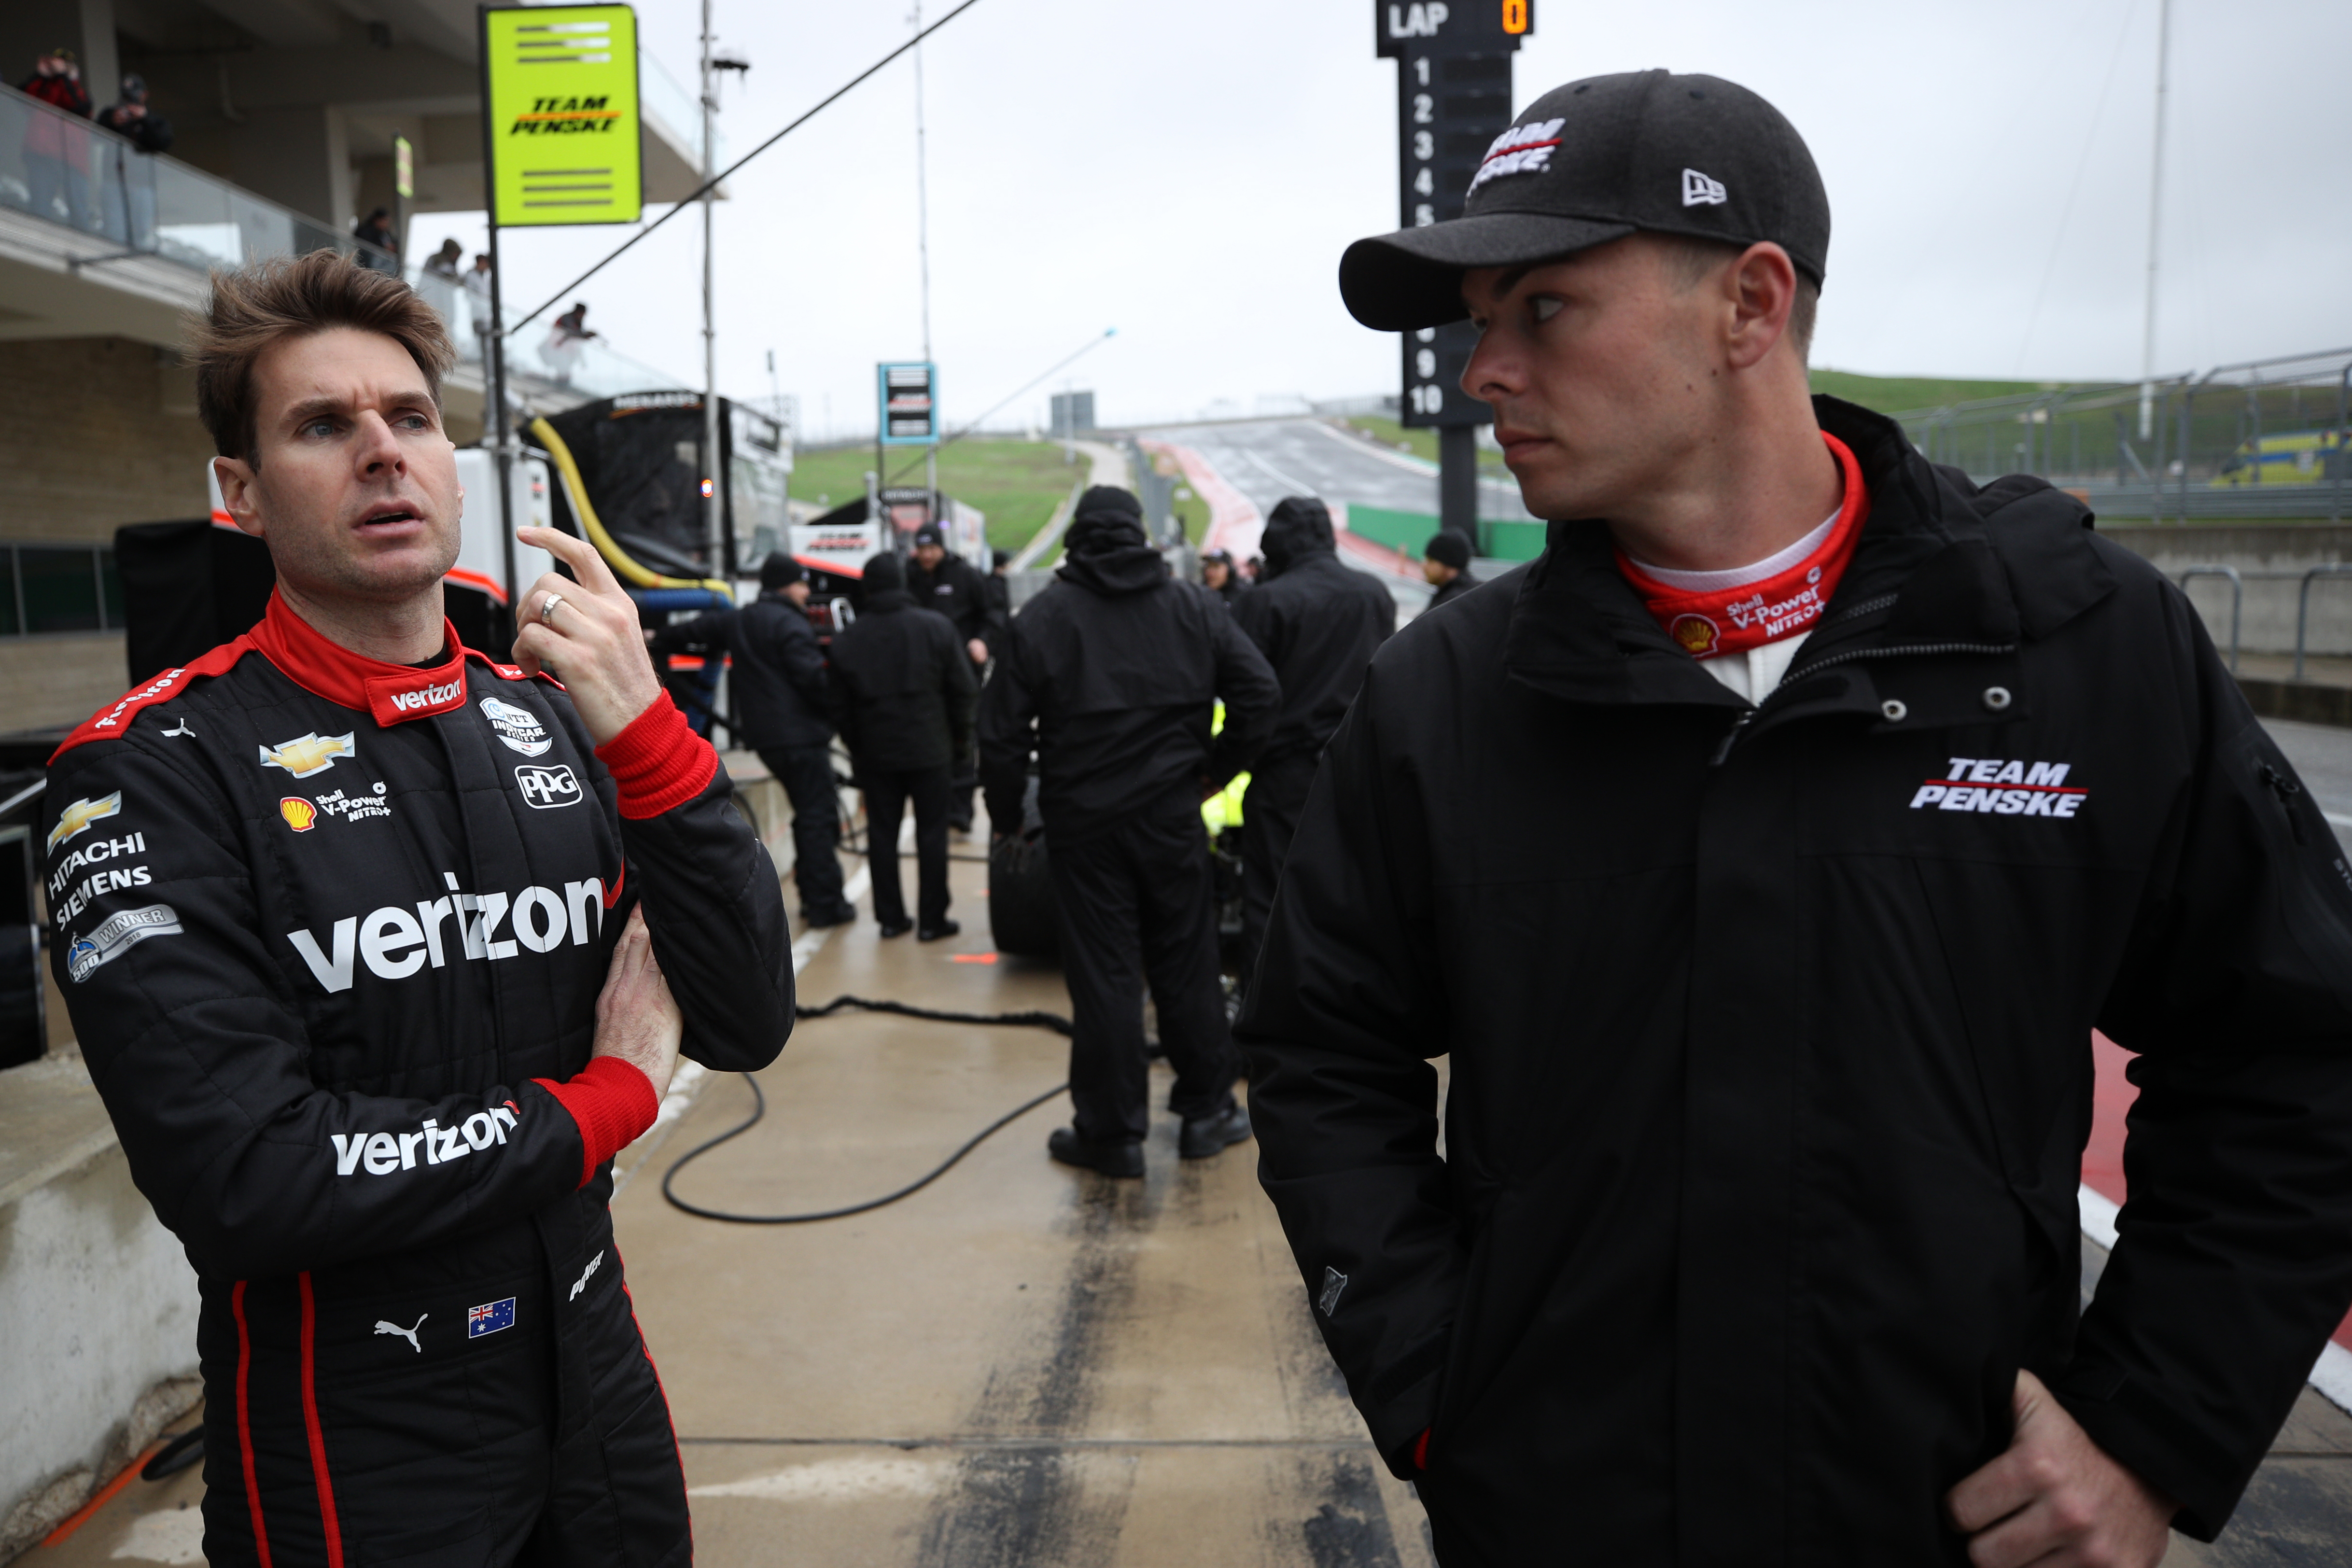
point(1925, 573)
point(390, 693)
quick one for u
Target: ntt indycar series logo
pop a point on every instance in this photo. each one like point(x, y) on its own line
point(2003, 788)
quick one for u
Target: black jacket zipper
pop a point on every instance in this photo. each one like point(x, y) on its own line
point(1739, 725)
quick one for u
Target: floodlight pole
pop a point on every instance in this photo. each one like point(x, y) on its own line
point(502, 451)
point(2154, 218)
point(713, 476)
point(923, 254)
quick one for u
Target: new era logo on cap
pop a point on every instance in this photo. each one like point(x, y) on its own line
point(1700, 191)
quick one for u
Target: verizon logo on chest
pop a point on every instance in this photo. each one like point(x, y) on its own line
point(393, 943)
point(2003, 788)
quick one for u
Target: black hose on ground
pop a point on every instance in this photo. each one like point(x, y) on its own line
point(1030, 1020)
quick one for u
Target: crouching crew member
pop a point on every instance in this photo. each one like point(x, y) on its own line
point(1317, 621)
point(1764, 854)
point(351, 923)
point(1111, 676)
point(778, 677)
point(968, 598)
point(902, 695)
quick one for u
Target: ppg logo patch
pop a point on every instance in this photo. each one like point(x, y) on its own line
point(491, 1319)
point(548, 788)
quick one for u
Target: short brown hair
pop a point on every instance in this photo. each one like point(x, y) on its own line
point(1692, 258)
point(254, 307)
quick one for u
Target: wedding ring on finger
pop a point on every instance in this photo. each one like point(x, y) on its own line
point(547, 608)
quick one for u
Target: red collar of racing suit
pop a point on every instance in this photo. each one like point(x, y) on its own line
point(1708, 622)
point(390, 693)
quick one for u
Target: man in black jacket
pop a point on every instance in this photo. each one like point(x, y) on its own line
point(1763, 878)
point(1445, 564)
point(902, 696)
point(1110, 677)
point(778, 679)
point(1317, 622)
point(966, 597)
point(338, 911)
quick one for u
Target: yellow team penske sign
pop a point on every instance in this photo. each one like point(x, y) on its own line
point(562, 89)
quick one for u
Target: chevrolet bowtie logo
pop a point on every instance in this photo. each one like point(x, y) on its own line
point(308, 755)
point(81, 814)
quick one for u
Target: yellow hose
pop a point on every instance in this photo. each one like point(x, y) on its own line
point(619, 559)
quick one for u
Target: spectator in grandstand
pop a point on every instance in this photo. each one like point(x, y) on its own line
point(132, 219)
point(1109, 679)
point(1445, 564)
point(1318, 623)
point(56, 154)
point(902, 697)
point(130, 116)
point(1762, 856)
point(439, 282)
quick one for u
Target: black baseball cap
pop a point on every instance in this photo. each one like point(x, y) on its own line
point(1596, 161)
point(928, 535)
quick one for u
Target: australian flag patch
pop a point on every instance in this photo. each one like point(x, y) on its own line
point(491, 1319)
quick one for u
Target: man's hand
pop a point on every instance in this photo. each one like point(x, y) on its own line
point(2056, 1500)
point(978, 649)
point(638, 1020)
point(595, 644)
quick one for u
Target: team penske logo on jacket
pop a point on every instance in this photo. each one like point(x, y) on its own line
point(518, 728)
point(308, 754)
point(2003, 788)
point(382, 1154)
point(81, 814)
point(399, 940)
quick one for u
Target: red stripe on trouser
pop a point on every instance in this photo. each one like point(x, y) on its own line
point(318, 1438)
point(667, 1414)
point(244, 1426)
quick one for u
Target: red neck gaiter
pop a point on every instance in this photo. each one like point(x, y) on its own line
point(1706, 623)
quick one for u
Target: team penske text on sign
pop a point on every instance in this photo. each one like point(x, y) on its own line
point(564, 130)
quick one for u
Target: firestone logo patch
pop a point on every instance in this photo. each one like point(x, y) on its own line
point(2002, 788)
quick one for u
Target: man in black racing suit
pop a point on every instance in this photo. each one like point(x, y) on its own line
point(333, 908)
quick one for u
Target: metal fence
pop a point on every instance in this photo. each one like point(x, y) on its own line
point(2266, 439)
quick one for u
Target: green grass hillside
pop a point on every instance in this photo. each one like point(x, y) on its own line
point(1901, 394)
point(1016, 483)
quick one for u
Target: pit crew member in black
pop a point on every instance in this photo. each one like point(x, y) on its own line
point(1766, 948)
point(351, 922)
point(1110, 675)
point(1317, 621)
point(963, 593)
point(777, 674)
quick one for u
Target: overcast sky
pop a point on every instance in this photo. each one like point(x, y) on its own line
point(1189, 175)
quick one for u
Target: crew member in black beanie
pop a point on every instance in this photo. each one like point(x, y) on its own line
point(1445, 561)
point(778, 682)
point(903, 688)
point(1318, 622)
point(1110, 677)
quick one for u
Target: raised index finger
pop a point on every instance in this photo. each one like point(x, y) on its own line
point(583, 557)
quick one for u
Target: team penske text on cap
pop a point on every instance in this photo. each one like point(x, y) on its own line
point(1593, 161)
